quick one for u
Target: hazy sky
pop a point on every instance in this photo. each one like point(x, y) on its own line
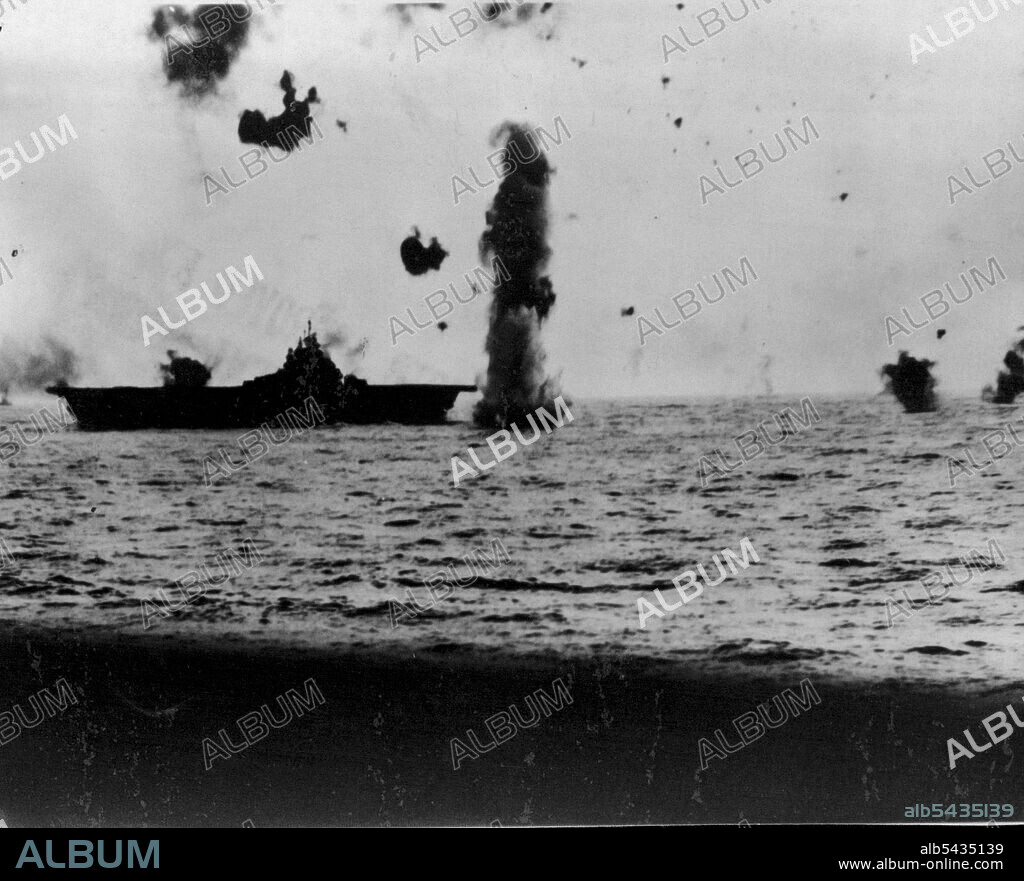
point(114, 224)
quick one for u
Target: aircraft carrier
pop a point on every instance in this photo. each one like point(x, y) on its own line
point(185, 401)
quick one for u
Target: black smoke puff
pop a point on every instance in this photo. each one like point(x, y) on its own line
point(282, 131)
point(183, 371)
point(910, 381)
point(1010, 381)
point(418, 259)
point(200, 59)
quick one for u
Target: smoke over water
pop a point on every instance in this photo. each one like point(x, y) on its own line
point(1010, 381)
point(517, 226)
point(200, 46)
point(50, 362)
point(910, 381)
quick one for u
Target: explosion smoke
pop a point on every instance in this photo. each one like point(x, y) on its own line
point(910, 381)
point(184, 372)
point(1010, 382)
point(281, 131)
point(416, 258)
point(49, 363)
point(194, 56)
point(517, 225)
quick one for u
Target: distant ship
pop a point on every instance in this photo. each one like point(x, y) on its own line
point(185, 401)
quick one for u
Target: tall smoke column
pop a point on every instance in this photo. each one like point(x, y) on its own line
point(516, 235)
point(911, 382)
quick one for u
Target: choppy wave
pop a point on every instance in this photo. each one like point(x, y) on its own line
point(597, 514)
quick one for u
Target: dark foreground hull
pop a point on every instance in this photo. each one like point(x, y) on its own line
point(129, 408)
